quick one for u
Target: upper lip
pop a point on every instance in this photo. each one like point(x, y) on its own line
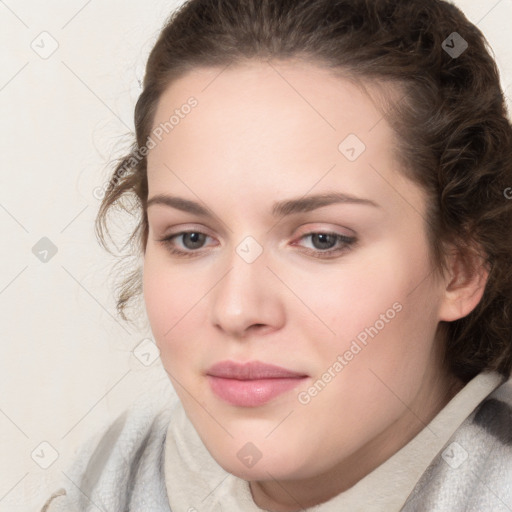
point(251, 370)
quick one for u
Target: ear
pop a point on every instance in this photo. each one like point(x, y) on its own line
point(464, 286)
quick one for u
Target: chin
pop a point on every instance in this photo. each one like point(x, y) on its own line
point(261, 471)
point(251, 464)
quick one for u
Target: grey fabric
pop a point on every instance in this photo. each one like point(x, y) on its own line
point(122, 470)
point(473, 473)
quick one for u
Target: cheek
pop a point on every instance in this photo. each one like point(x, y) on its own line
point(175, 310)
point(379, 309)
point(385, 333)
point(352, 296)
point(158, 297)
point(165, 297)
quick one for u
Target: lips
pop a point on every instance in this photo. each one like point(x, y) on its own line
point(252, 370)
point(251, 384)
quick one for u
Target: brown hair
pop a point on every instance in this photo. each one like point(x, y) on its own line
point(455, 139)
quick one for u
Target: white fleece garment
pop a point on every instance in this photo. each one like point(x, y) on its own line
point(196, 483)
point(151, 459)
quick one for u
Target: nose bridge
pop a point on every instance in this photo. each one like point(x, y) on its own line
point(243, 297)
point(240, 288)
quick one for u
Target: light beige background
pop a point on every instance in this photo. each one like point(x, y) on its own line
point(67, 365)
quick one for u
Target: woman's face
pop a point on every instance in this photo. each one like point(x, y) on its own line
point(306, 250)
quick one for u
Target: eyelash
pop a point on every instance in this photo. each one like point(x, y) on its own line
point(347, 242)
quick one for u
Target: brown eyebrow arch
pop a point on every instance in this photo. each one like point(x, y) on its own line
point(279, 209)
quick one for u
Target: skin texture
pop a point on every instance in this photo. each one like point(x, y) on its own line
point(264, 132)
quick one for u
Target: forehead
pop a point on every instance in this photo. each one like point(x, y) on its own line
point(272, 126)
point(278, 91)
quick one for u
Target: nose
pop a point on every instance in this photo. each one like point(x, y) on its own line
point(247, 299)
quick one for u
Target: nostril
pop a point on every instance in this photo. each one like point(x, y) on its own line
point(258, 327)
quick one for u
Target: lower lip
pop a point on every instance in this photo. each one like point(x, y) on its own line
point(251, 393)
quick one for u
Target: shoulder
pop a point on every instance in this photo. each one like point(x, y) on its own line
point(494, 414)
point(114, 465)
point(473, 471)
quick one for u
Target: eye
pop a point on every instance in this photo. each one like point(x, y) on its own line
point(325, 245)
point(191, 241)
point(328, 244)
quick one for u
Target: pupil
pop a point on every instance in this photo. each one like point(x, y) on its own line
point(324, 239)
point(196, 240)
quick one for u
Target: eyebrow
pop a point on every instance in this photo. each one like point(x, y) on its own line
point(279, 209)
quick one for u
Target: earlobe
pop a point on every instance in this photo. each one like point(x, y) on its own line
point(464, 287)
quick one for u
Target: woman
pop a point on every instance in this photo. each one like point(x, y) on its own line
point(327, 265)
